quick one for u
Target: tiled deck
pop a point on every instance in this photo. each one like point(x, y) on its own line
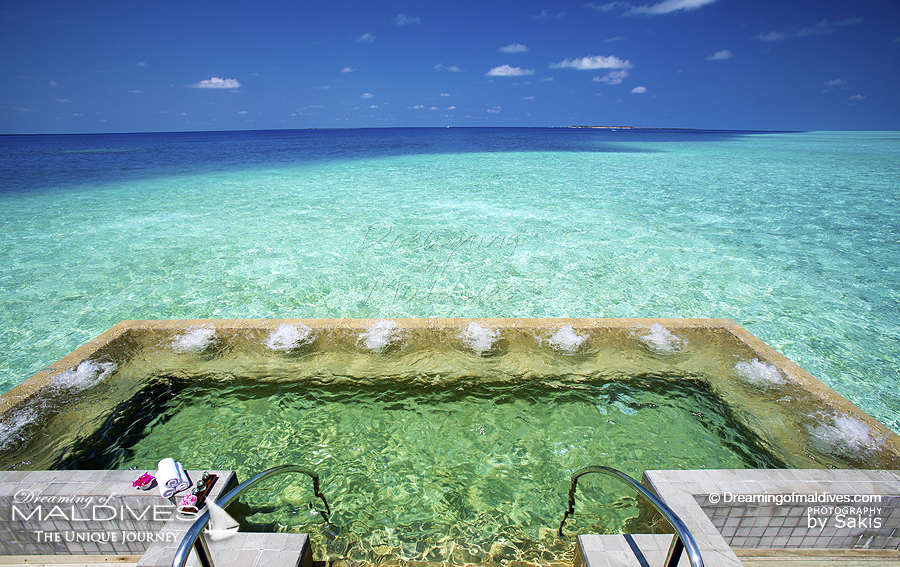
point(752, 510)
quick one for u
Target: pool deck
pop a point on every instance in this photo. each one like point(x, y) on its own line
point(733, 515)
point(764, 518)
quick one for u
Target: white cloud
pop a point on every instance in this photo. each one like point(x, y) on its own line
point(545, 15)
point(835, 82)
point(242, 112)
point(404, 20)
point(857, 97)
point(771, 36)
point(451, 68)
point(347, 70)
point(416, 107)
point(366, 37)
point(52, 83)
point(547, 79)
point(451, 108)
point(612, 78)
point(593, 62)
point(827, 27)
point(607, 7)
point(514, 48)
point(495, 110)
point(374, 106)
point(668, 6)
point(527, 98)
point(367, 95)
point(615, 38)
point(639, 90)
point(217, 83)
point(721, 55)
point(507, 71)
point(141, 64)
point(445, 94)
point(822, 27)
point(63, 100)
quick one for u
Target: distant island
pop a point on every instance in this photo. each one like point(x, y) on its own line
point(628, 127)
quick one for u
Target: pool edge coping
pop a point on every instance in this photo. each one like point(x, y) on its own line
point(30, 387)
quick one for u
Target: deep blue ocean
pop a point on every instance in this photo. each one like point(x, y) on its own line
point(794, 235)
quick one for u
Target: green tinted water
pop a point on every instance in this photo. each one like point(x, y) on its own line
point(466, 472)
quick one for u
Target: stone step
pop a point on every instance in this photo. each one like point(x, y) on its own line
point(70, 560)
point(620, 550)
point(241, 550)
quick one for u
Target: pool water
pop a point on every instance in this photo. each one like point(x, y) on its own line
point(418, 467)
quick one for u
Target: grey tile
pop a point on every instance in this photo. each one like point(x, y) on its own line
point(275, 541)
point(255, 540)
point(752, 542)
point(780, 541)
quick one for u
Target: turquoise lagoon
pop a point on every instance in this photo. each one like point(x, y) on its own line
point(793, 235)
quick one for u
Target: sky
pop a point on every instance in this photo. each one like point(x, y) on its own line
point(126, 66)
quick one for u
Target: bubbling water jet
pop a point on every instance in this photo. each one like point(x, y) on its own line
point(479, 339)
point(288, 337)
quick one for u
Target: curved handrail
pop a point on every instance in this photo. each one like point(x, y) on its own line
point(193, 534)
point(683, 538)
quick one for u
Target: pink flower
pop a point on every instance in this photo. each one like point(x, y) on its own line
point(188, 500)
point(144, 480)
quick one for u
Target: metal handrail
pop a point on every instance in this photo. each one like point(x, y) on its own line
point(682, 541)
point(194, 536)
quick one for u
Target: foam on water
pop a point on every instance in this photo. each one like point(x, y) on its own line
point(195, 340)
point(565, 339)
point(758, 371)
point(662, 340)
point(479, 339)
point(380, 335)
point(847, 434)
point(289, 337)
point(84, 375)
point(14, 423)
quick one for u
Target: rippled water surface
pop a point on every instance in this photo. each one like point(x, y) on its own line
point(468, 472)
point(793, 235)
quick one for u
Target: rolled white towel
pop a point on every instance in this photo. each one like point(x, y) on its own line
point(167, 477)
point(184, 481)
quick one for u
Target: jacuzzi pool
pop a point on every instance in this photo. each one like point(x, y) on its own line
point(436, 439)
